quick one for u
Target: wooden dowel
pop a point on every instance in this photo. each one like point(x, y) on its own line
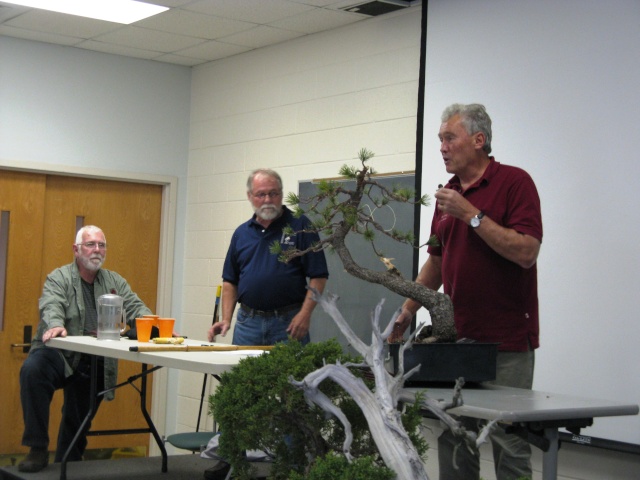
point(198, 348)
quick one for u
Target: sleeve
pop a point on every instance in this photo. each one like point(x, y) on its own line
point(54, 302)
point(524, 211)
point(230, 269)
point(315, 263)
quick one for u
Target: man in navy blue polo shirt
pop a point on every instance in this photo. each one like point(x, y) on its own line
point(274, 301)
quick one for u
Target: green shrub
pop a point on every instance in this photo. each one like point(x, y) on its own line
point(257, 408)
point(336, 467)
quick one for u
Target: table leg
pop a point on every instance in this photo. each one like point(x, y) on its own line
point(152, 427)
point(550, 456)
point(93, 402)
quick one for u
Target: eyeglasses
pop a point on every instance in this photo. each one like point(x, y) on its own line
point(263, 195)
point(92, 245)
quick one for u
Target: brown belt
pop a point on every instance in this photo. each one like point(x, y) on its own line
point(254, 312)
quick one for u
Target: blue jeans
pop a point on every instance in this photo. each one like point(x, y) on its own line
point(254, 329)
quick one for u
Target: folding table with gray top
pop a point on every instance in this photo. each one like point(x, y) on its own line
point(210, 362)
point(533, 415)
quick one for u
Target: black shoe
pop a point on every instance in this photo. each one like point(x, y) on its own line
point(35, 461)
point(218, 472)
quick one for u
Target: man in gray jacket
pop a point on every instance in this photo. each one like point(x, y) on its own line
point(68, 307)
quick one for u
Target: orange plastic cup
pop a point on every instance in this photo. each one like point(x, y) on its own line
point(143, 328)
point(154, 318)
point(165, 325)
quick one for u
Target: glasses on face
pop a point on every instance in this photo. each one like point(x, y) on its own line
point(92, 245)
point(263, 195)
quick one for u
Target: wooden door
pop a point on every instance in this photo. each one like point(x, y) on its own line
point(22, 196)
point(129, 215)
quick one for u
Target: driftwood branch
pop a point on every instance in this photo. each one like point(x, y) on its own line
point(380, 406)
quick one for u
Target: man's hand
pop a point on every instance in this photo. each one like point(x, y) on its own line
point(509, 243)
point(401, 324)
point(454, 204)
point(54, 332)
point(299, 326)
point(218, 328)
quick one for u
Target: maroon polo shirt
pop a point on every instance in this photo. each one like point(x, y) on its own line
point(494, 299)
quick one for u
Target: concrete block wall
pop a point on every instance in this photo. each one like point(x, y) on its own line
point(303, 108)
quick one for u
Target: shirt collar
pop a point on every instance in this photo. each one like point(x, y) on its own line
point(489, 173)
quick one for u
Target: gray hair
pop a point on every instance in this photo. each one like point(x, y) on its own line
point(263, 171)
point(87, 228)
point(474, 119)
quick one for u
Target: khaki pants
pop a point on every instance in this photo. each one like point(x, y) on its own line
point(511, 454)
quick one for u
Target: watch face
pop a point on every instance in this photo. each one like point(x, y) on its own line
point(475, 222)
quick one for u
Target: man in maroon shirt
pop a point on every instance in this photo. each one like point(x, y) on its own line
point(489, 228)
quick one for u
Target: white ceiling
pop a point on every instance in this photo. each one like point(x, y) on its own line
point(191, 32)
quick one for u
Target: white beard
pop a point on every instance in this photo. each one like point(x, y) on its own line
point(93, 263)
point(268, 211)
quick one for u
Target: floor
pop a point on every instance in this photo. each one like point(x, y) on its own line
point(180, 467)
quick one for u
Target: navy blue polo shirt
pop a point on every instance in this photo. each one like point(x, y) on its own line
point(263, 281)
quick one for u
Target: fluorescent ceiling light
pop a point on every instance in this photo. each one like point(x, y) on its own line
point(119, 11)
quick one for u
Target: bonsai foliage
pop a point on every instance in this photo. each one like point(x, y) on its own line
point(257, 408)
point(336, 211)
point(336, 467)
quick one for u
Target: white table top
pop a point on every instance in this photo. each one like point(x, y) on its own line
point(203, 362)
point(519, 405)
point(486, 402)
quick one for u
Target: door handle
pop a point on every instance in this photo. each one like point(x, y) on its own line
point(27, 331)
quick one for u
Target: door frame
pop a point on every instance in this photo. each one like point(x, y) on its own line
point(165, 261)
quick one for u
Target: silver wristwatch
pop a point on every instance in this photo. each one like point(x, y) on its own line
point(475, 221)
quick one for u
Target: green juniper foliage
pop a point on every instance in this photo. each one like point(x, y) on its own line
point(257, 408)
point(336, 467)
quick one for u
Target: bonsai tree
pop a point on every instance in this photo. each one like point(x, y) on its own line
point(336, 212)
point(258, 408)
point(346, 413)
point(341, 420)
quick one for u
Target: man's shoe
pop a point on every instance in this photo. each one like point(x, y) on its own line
point(218, 472)
point(35, 461)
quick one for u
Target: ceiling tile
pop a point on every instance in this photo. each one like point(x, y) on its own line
point(10, 11)
point(179, 60)
point(255, 11)
point(117, 49)
point(261, 36)
point(146, 39)
point(38, 36)
point(315, 21)
point(194, 24)
point(213, 50)
point(190, 33)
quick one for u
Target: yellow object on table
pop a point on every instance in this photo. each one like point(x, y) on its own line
point(168, 340)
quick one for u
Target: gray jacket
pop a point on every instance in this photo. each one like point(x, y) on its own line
point(62, 305)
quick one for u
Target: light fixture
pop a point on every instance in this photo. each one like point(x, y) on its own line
point(119, 11)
